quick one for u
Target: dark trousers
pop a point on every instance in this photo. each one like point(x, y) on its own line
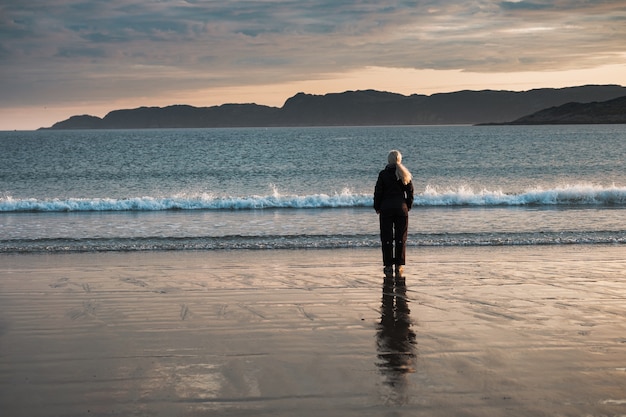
point(394, 226)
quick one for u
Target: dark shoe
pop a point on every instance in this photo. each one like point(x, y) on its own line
point(388, 270)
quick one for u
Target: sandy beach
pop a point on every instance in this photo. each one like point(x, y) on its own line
point(494, 331)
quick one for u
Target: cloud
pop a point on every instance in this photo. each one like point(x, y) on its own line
point(525, 5)
point(72, 50)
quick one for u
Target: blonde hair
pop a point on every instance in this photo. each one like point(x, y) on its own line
point(403, 174)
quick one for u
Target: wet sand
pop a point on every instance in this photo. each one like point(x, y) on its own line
point(504, 331)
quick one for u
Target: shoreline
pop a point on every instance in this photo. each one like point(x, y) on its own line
point(496, 330)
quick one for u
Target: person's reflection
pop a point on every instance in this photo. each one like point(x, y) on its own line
point(396, 342)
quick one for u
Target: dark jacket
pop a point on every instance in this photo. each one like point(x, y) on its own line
point(390, 193)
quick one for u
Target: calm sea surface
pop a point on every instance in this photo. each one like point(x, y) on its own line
point(216, 189)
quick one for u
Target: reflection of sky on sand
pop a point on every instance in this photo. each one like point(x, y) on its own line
point(198, 380)
point(203, 387)
point(396, 344)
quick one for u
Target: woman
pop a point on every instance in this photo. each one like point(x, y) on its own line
point(393, 198)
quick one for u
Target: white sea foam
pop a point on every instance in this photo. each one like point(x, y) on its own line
point(182, 202)
point(578, 194)
point(431, 197)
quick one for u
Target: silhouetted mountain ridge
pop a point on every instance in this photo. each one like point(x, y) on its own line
point(353, 108)
point(610, 111)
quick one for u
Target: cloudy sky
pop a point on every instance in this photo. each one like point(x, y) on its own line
point(60, 58)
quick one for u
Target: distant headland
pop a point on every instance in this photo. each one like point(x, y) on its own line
point(582, 104)
point(597, 112)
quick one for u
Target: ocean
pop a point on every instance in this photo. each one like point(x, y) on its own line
point(301, 188)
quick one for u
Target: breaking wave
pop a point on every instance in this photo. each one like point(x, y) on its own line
point(430, 197)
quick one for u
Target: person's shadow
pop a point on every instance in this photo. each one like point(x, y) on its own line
point(396, 343)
